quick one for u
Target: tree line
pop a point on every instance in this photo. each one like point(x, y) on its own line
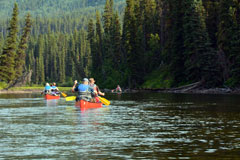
point(168, 43)
point(50, 8)
point(155, 43)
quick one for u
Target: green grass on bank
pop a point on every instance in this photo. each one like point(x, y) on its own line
point(37, 88)
point(29, 88)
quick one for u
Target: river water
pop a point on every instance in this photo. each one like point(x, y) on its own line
point(134, 126)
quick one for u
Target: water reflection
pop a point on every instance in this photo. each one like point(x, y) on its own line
point(52, 102)
point(134, 126)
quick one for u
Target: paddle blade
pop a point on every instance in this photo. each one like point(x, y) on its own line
point(104, 101)
point(64, 94)
point(71, 98)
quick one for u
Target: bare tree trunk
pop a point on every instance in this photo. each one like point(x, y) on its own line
point(21, 81)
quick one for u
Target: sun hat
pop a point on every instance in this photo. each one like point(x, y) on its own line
point(85, 79)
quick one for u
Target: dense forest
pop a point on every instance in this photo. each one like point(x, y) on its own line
point(137, 44)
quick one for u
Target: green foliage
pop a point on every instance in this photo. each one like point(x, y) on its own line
point(3, 85)
point(232, 82)
point(156, 43)
point(158, 79)
point(51, 8)
point(7, 58)
point(21, 55)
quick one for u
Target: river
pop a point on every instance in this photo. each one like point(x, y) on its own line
point(134, 126)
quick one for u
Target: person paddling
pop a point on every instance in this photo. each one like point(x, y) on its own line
point(96, 90)
point(47, 89)
point(84, 91)
point(118, 89)
point(54, 89)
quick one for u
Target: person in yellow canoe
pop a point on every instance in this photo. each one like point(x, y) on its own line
point(96, 90)
point(83, 89)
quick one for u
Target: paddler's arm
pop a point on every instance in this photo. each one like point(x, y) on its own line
point(74, 86)
point(99, 92)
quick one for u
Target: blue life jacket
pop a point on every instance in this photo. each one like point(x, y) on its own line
point(54, 87)
point(83, 88)
point(47, 87)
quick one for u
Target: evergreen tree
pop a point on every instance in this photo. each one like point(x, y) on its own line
point(1, 42)
point(61, 58)
point(212, 10)
point(107, 16)
point(71, 71)
point(200, 58)
point(39, 70)
point(116, 41)
point(174, 47)
point(98, 58)
point(20, 59)
point(129, 34)
point(235, 44)
point(224, 35)
point(7, 63)
point(91, 33)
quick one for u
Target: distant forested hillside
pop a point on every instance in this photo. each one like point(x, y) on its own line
point(54, 15)
point(51, 8)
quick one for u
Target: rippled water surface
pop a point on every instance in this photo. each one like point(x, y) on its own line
point(134, 126)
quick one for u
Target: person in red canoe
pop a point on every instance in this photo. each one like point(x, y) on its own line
point(54, 89)
point(47, 89)
point(84, 90)
point(96, 90)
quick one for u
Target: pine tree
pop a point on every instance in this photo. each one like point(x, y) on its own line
point(200, 58)
point(116, 41)
point(61, 58)
point(1, 41)
point(91, 33)
point(174, 47)
point(7, 64)
point(39, 70)
point(98, 58)
point(20, 59)
point(224, 35)
point(212, 11)
point(129, 34)
point(107, 16)
point(71, 71)
point(234, 58)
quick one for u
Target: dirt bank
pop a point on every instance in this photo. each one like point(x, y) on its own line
point(19, 91)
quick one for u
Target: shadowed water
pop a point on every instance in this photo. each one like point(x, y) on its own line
point(134, 126)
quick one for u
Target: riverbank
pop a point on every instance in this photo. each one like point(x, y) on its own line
point(196, 91)
point(20, 90)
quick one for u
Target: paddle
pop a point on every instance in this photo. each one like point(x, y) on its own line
point(64, 94)
point(71, 98)
point(103, 100)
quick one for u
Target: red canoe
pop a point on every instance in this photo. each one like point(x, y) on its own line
point(48, 96)
point(84, 105)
